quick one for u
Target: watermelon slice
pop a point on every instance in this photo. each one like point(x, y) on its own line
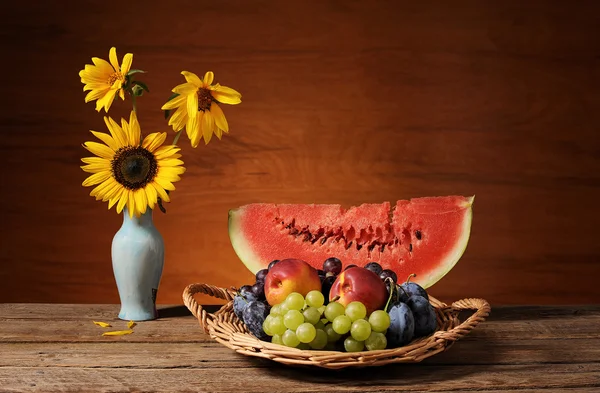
point(426, 236)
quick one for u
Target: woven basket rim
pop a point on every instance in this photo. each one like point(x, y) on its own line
point(224, 327)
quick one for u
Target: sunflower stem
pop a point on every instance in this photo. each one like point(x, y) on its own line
point(176, 139)
point(133, 98)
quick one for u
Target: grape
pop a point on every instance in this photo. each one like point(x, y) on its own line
point(245, 290)
point(332, 265)
point(261, 274)
point(294, 301)
point(356, 311)
point(341, 325)
point(254, 315)
point(277, 326)
point(330, 346)
point(387, 273)
point(332, 336)
point(289, 339)
point(320, 325)
point(360, 330)
point(276, 309)
point(376, 341)
point(326, 287)
point(352, 345)
point(303, 346)
point(240, 302)
point(379, 320)
point(267, 325)
point(312, 315)
point(273, 263)
point(402, 326)
point(334, 310)
point(258, 290)
point(412, 288)
point(306, 332)
point(349, 266)
point(374, 267)
point(276, 339)
point(424, 315)
point(320, 340)
point(322, 309)
point(315, 299)
point(293, 319)
point(283, 309)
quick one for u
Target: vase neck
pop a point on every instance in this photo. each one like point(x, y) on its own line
point(144, 220)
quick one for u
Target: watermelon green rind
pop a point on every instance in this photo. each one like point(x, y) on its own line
point(245, 242)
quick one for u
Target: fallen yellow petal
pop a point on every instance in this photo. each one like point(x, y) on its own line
point(131, 324)
point(118, 333)
point(102, 324)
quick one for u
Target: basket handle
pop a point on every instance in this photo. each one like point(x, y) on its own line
point(195, 308)
point(482, 310)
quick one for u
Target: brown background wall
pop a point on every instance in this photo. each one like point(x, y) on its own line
point(343, 101)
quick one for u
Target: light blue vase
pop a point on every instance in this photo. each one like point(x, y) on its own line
point(138, 253)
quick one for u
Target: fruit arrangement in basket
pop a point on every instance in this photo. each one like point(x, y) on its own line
point(360, 308)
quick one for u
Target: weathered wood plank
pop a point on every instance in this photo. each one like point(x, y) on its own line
point(399, 378)
point(478, 351)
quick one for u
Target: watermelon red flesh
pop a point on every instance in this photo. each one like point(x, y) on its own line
point(425, 236)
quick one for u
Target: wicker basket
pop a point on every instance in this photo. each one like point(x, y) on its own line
point(225, 327)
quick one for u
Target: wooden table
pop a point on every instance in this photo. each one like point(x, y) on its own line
point(57, 348)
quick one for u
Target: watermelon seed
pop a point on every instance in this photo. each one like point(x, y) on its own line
point(293, 231)
point(382, 247)
point(348, 245)
point(323, 240)
point(410, 247)
point(371, 247)
point(358, 246)
point(418, 234)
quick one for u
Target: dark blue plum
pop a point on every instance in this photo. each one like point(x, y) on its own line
point(245, 290)
point(424, 314)
point(410, 289)
point(254, 315)
point(402, 326)
point(258, 290)
point(326, 287)
point(374, 267)
point(240, 302)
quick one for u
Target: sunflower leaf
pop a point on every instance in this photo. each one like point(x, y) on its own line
point(142, 85)
point(131, 72)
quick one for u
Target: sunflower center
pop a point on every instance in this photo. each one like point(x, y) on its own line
point(115, 76)
point(134, 167)
point(204, 99)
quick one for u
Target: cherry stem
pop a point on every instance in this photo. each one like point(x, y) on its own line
point(392, 289)
point(409, 277)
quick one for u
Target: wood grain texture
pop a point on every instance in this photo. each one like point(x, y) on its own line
point(517, 349)
point(343, 102)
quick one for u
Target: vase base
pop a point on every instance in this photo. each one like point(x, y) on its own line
point(137, 315)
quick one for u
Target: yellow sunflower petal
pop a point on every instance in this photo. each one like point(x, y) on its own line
point(209, 77)
point(112, 191)
point(96, 178)
point(169, 162)
point(103, 66)
point(126, 65)
point(207, 127)
point(122, 93)
point(118, 333)
point(175, 170)
point(116, 131)
point(95, 160)
point(134, 129)
point(151, 195)
point(99, 149)
point(100, 191)
point(110, 142)
point(94, 168)
point(154, 141)
point(102, 324)
point(166, 151)
point(122, 201)
point(226, 95)
point(165, 184)
point(185, 89)
point(131, 204)
point(167, 177)
point(179, 119)
point(174, 103)
point(196, 132)
point(112, 56)
point(94, 95)
point(115, 198)
point(141, 201)
point(106, 101)
point(219, 117)
point(161, 192)
point(192, 78)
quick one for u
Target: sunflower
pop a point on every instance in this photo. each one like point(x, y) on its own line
point(130, 174)
point(105, 79)
point(198, 109)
